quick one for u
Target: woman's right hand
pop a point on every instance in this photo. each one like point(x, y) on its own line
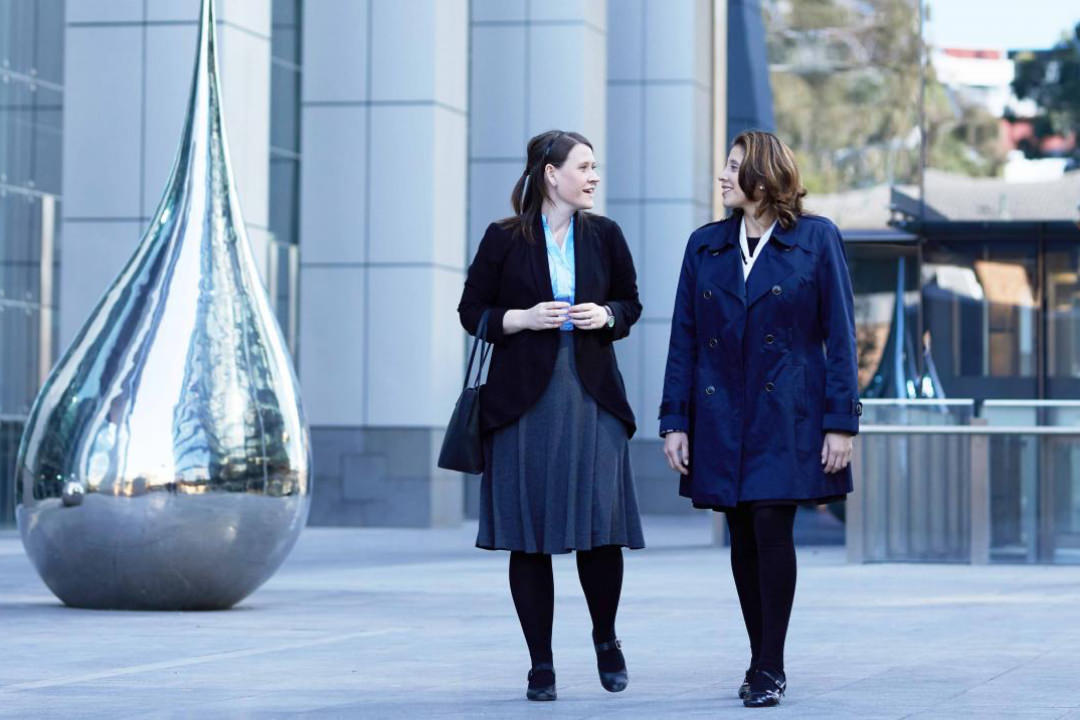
point(541, 316)
point(677, 452)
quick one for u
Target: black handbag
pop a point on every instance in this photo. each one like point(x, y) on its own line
point(462, 448)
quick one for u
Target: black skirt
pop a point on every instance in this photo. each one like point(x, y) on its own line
point(559, 479)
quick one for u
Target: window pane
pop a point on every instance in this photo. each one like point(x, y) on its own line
point(285, 39)
point(981, 310)
point(284, 199)
point(889, 365)
point(20, 248)
point(285, 108)
point(31, 104)
point(19, 327)
point(1063, 319)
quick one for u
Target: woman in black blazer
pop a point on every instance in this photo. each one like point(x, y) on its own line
point(559, 288)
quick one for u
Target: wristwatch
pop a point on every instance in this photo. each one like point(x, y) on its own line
point(610, 316)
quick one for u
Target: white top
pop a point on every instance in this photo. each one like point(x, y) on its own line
point(749, 259)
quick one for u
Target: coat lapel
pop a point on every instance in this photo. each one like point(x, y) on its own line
point(728, 273)
point(724, 270)
point(772, 268)
point(584, 263)
point(725, 264)
point(539, 262)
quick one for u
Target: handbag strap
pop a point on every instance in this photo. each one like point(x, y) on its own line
point(481, 337)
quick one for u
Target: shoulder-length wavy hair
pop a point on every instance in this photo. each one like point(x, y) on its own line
point(527, 197)
point(769, 175)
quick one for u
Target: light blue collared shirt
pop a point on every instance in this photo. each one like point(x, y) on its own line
point(561, 266)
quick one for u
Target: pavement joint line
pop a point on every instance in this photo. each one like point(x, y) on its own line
point(1019, 665)
point(167, 664)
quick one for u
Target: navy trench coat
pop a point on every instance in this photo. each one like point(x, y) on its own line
point(757, 372)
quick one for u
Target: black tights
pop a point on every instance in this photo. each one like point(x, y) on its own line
point(763, 563)
point(533, 589)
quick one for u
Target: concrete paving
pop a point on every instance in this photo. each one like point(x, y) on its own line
point(373, 623)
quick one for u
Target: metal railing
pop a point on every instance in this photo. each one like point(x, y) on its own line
point(959, 481)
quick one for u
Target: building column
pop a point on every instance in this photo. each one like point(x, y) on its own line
point(127, 78)
point(661, 124)
point(382, 243)
point(534, 66)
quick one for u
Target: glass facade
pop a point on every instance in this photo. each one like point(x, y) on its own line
point(1062, 291)
point(885, 281)
point(845, 84)
point(981, 304)
point(31, 107)
point(954, 174)
point(285, 75)
point(988, 310)
point(888, 123)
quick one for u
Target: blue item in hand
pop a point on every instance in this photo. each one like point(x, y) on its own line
point(566, 299)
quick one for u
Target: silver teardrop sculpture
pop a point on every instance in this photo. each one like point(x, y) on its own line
point(166, 461)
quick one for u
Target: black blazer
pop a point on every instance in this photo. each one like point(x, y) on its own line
point(509, 273)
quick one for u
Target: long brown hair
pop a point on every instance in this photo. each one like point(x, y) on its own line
point(769, 174)
point(527, 197)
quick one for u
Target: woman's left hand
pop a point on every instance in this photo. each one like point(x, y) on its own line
point(588, 316)
point(836, 451)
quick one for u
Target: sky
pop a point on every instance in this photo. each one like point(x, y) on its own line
point(1000, 24)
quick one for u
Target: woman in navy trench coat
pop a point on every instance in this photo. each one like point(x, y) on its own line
point(760, 394)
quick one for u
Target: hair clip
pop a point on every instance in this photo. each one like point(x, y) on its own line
point(551, 142)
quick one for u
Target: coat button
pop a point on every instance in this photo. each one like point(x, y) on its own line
point(707, 294)
point(713, 342)
point(776, 290)
point(769, 339)
point(710, 390)
point(769, 387)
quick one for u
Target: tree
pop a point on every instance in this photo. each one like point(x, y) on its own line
point(846, 82)
point(1052, 79)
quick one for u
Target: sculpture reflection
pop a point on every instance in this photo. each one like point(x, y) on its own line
point(166, 461)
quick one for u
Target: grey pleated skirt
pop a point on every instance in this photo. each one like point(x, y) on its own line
point(559, 479)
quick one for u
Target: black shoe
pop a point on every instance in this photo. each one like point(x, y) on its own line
point(541, 682)
point(609, 655)
point(744, 689)
point(766, 689)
